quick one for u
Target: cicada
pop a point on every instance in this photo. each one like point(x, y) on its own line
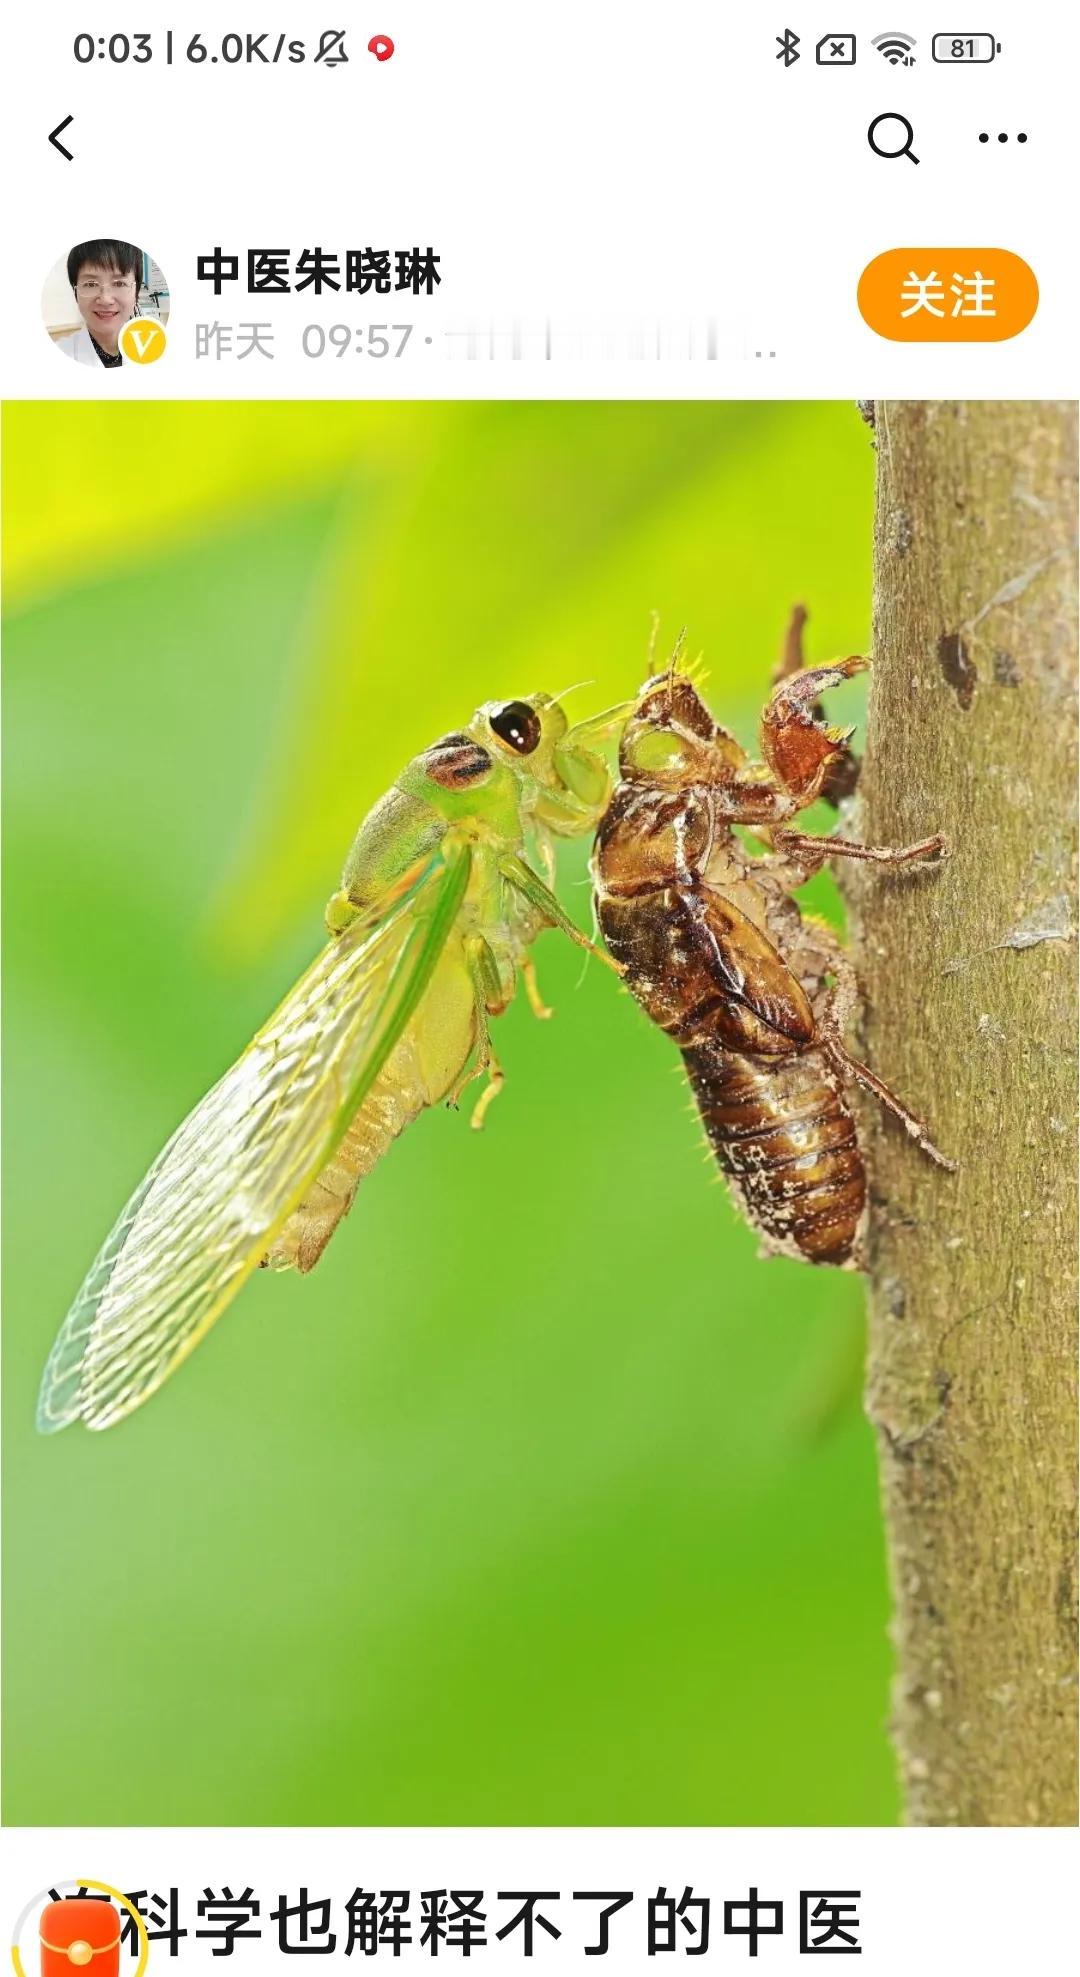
point(718, 954)
point(438, 908)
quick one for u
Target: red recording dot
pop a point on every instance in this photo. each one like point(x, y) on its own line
point(381, 47)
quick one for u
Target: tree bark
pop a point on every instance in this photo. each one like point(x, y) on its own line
point(968, 971)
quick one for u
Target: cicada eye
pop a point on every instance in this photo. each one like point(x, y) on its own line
point(518, 725)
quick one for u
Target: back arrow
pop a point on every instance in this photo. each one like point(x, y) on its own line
point(54, 138)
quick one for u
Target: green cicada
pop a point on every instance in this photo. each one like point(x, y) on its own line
point(437, 910)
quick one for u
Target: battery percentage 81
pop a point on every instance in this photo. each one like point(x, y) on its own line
point(965, 48)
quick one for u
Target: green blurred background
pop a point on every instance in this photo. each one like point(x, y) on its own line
point(543, 1500)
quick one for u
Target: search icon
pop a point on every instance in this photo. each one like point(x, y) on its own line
point(898, 141)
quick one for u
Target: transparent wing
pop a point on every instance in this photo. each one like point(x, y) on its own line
point(233, 1172)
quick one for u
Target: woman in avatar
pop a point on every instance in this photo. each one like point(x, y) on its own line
point(105, 276)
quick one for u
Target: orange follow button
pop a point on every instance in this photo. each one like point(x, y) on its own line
point(948, 294)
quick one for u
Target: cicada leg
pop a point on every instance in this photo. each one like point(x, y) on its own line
point(792, 657)
point(496, 1080)
point(796, 842)
point(808, 757)
point(532, 990)
point(491, 1000)
point(545, 852)
point(832, 1019)
point(848, 1066)
point(532, 887)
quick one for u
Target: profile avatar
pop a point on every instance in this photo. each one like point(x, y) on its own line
point(106, 304)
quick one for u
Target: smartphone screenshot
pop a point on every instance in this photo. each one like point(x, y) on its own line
point(539, 1037)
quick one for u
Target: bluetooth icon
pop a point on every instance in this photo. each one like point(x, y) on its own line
point(788, 44)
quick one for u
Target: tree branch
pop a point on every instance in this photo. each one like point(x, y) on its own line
point(968, 972)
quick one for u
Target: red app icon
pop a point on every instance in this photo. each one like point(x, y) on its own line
point(79, 1934)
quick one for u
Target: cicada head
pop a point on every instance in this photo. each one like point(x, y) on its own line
point(671, 738)
point(516, 763)
point(563, 778)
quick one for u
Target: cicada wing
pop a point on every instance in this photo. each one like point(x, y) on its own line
point(233, 1172)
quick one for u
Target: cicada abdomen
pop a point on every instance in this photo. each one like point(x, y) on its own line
point(786, 1140)
point(421, 1070)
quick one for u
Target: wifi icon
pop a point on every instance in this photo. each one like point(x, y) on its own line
point(896, 49)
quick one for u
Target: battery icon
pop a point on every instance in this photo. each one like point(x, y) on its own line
point(965, 48)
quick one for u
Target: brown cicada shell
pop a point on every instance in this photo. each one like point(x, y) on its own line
point(716, 951)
